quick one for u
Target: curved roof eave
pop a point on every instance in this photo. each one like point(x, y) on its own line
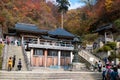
point(104, 27)
point(27, 31)
point(61, 33)
point(29, 28)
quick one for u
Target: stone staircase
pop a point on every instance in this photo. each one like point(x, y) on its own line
point(90, 58)
point(10, 51)
point(30, 75)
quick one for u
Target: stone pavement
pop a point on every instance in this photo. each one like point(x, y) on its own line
point(49, 75)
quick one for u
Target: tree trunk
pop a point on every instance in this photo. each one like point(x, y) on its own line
point(62, 19)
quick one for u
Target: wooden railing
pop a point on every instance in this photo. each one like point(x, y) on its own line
point(52, 45)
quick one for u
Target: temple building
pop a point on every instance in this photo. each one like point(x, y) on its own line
point(105, 34)
point(44, 48)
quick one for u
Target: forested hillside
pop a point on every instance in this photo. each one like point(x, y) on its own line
point(88, 18)
point(37, 12)
point(79, 21)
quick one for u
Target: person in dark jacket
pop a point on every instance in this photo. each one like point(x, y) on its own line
point(19, 64)
point(14, 59)
point(114, 74)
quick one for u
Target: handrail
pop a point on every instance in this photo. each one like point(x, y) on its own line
point(86, 55)
point(96, 57)
point(26, 58)
point(4, 57)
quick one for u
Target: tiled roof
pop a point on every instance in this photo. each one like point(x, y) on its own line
point(28, 27)
point(104, 27)
point(33, 28)
point(61, 32)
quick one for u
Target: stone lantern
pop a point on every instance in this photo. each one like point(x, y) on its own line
point(77, 65)
point(75, 51)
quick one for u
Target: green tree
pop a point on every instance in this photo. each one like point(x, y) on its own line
point(63, 6)
point(117, 24)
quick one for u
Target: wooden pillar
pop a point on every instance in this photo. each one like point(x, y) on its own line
point(59, 55)
point(38, 41)
point(45, 58)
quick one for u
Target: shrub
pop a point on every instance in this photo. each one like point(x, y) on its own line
point(100, 50)
point(1, 47)
point(104, 49)
point(112, 45)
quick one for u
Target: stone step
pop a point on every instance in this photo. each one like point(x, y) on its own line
point(15, 50)
point(30, 75)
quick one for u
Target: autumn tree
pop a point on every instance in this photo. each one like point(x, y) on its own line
point(108, 4)
point(28, 11)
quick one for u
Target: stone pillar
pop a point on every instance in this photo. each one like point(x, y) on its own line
point(31, 57)
point(45, 58)
point(105, 38)
point(22, 40)
point(112, 36)
point(71, 56)
point(59, 55)
point(38, 41)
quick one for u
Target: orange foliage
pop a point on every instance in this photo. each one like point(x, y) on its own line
point(2, 19)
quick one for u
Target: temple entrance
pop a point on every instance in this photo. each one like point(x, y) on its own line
point(65, 59)
point(52, 59)
point(38, 58)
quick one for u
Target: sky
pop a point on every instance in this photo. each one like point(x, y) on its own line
point(75, 4)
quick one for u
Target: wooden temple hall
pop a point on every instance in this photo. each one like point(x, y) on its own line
point(44, 48)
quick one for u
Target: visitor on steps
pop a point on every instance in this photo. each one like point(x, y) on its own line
point(105, 60)
point(103, 73)
point(99, 66)
point(19, 66)
point(108, 72)
point(8, 40)
point(9, 64)
point(14, 59)
point(16, 42)
point(114, 74)
point(96, 66)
